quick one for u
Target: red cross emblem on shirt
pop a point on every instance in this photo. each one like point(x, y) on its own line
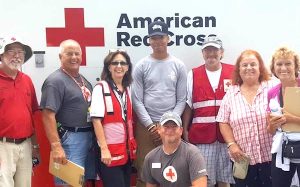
point(170, 174)
point(228, 84)
point(75, 29)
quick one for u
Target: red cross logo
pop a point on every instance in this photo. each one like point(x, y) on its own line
point(228, 84)
point(74, 21)
point(170, 174)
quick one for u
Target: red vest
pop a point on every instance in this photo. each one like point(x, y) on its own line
point(206, 104)
point(118, 133)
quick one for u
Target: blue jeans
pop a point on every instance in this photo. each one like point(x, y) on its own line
point(76, 146)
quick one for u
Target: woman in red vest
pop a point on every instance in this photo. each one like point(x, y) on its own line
point(111, 113)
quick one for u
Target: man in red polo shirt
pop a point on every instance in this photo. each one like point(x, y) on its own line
point(17, 104)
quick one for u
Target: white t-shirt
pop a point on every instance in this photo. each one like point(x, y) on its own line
point(213, 77)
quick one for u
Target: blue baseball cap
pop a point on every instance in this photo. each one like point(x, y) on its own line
point(157, 28)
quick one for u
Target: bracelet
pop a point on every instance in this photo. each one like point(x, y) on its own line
point(230, 144)
point(151, 127)
point(37, 146)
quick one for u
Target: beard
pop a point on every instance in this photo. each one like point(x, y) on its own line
point(15, 65)
point(171, 140)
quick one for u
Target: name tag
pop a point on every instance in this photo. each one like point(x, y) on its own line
point(156, 165)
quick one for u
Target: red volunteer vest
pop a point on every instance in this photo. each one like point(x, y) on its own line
point(206, 103)
point(115, 128)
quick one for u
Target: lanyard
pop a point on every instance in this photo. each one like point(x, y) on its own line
point(123, 102)
point(281, 98)
point(84, 90)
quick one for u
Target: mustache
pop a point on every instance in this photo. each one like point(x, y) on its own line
point(17, 60)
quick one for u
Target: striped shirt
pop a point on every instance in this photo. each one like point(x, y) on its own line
point(248, 122)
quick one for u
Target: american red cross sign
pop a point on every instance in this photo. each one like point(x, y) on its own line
point(74, 29)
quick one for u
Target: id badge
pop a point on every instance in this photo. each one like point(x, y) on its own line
point(88, 117)
point(227, 83)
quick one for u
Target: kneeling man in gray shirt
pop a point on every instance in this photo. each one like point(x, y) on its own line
point(175, 163)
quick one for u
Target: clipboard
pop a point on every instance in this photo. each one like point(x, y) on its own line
point(71, 173)
point(292, 105)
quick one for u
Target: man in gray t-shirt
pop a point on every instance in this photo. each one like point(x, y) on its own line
point(66, 97)
point(176, 163)
point(159, 85)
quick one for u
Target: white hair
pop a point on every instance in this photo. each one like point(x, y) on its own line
point(64, 43)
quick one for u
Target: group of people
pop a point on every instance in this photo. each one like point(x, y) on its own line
point(176, 128)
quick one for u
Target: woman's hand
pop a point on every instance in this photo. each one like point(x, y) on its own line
point(105, 156)
point(236, 153)
point(274, 122)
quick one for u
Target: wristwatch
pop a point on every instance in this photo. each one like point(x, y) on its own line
point(230, 144)
point(37, 146)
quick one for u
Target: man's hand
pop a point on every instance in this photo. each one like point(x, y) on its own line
point(186, 135)
point(58, 153)
point(155, 135)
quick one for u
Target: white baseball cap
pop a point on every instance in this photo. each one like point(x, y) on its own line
point(212, 40)
point(170, 116)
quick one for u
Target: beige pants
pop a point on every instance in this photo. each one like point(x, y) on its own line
point(144, 146)
point(15, 164)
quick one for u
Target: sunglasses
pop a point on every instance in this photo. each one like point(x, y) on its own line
point(116, 63)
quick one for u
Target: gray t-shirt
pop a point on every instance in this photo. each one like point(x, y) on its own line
point(179, 169)
point(62, 95)
point(159, 86)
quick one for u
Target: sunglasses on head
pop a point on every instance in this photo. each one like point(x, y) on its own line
point(116, 63)
point(117, 50)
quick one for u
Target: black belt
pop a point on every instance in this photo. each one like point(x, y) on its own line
point(13, 140)
point(78, 129)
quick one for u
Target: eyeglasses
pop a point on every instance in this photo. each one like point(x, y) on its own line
point(70, 54)
point(14, 52)
point(117, 50)
point(116, 63)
